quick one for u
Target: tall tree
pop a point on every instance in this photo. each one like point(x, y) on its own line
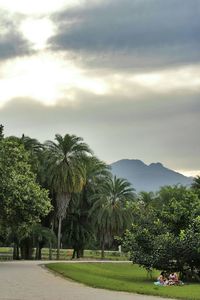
point(176, 206)
point(66, 172)
point(167, 235)
point(35, 150)
point(22, 201)
point(36, 159)
point(1, 132)
point(79, 230)
point(196, 185)
point(42, 236)
point(110, 213)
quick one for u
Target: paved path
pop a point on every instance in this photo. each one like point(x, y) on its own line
point(28, 280)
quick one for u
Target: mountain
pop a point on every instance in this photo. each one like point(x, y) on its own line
point(147, 177)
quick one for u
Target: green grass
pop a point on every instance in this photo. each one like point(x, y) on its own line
point(5, 250)
point(109, 255)
point(66, 254)
point(6, 253)
point(123, 277)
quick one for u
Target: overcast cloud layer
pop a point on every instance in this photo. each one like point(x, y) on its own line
point(142, 33)
point(12, 42)
point(125, 75)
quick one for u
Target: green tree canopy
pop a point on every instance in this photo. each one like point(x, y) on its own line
point(22, 201)
point(110, 214)
point(1, 132)
point(168, 236)
point(78, 229)
point(196, 185)
point(65, 171)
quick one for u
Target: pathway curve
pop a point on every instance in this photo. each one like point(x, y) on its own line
point(28, 280)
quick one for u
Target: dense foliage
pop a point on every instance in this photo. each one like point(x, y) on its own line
point(61, 191)
point(22, 201)
point(166, 232)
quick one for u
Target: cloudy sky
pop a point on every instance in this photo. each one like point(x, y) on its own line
point(124, 75)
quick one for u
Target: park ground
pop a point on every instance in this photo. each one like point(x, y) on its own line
point(29, 280)
point(124, 277)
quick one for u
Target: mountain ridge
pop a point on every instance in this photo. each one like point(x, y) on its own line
point(150, 177)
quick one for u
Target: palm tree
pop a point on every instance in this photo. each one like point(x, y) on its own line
point(146, 200)
point(66, 172)
point(1, 131)
point(41, 236)
point(96, 172)
point(80, 229)
point(110, 214)
point(77, 230)
point(32, 145)
point(196, 184)
point(35, 150)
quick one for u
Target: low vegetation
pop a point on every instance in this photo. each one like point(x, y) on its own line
point(124, 277)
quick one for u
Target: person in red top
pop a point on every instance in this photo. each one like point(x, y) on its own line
point(173, 279)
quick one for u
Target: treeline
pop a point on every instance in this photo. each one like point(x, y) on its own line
point(59, 193)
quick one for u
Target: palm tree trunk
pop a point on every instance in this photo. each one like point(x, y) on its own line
point(40, 252)
point(74, 254)
point(16, 250)
point(59, 237)
point(50, 244)
point(50, 250)
point(37, 251)
point(103, 248)
point(81, 252)
point(26, 248)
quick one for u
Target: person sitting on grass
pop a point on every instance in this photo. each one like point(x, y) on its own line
point(162, 279)
point(174, 280)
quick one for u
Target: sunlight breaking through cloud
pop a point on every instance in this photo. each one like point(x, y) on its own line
point(185, 78)
point(46, 78)
point(37, 31)
point(134, 64)
point(37, 6)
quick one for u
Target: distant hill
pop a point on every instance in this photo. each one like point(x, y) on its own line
point(147, 177)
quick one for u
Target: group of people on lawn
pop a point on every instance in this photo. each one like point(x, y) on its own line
point(165, 280)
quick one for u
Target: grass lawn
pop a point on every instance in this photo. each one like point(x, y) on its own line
point(6, 253)
point(123, 277)
point(5, 250)
point(66, 254)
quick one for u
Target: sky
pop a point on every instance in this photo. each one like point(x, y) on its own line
point(124, 75)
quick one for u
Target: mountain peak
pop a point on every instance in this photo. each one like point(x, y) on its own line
point(129, 160)
point(147, 177)
point(157, 165)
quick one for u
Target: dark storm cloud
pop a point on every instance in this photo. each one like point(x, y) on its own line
point(136, 32)
point(151, 129)
point(12, 43)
